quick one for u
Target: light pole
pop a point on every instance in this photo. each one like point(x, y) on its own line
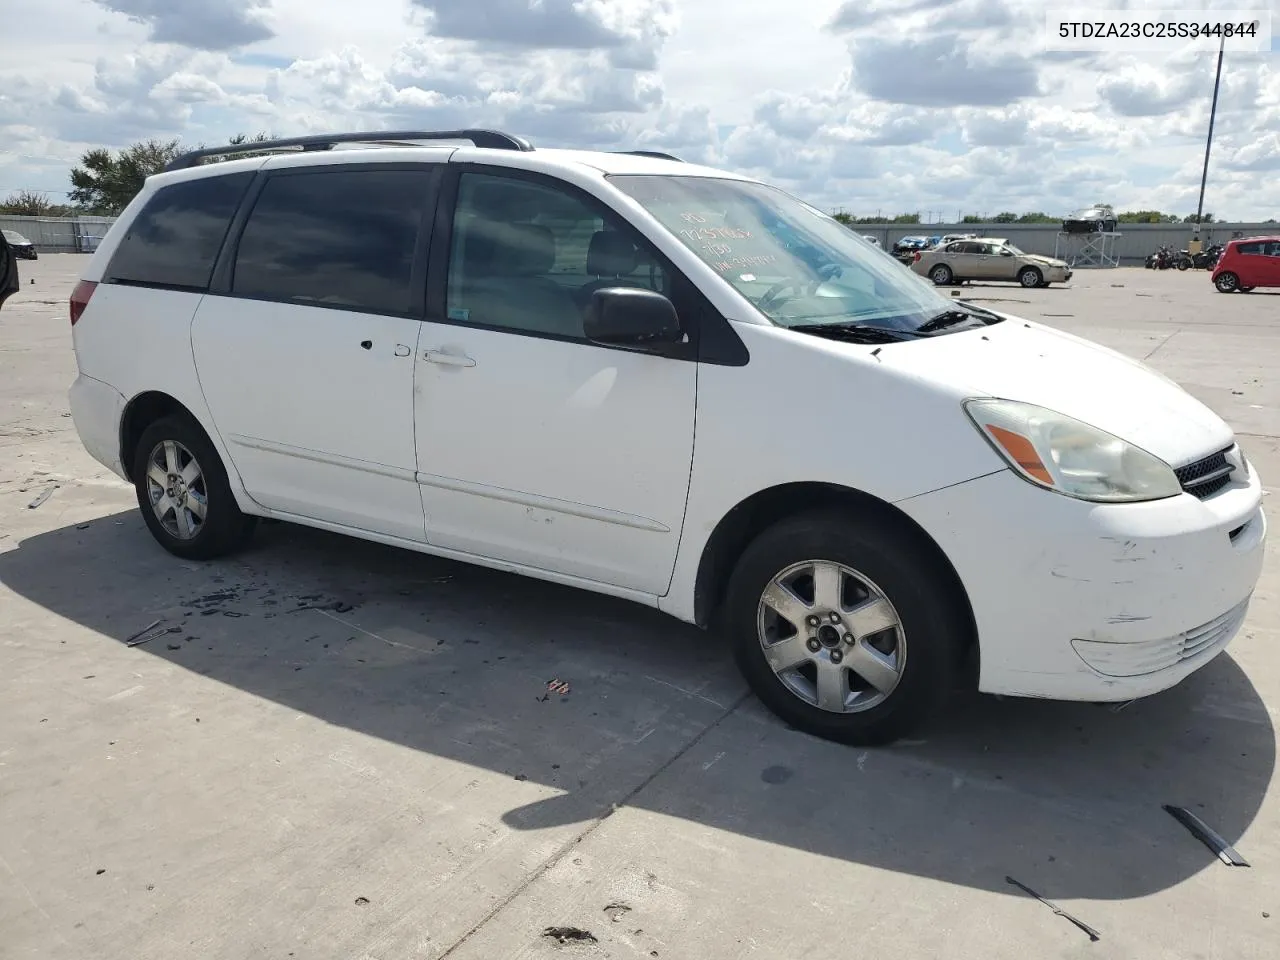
point(1208, 143)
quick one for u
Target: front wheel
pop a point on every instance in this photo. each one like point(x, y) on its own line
point(183, 491)
point(1184, 263)
point(1227, 282)
point(1030, 277)
point(844, 627)
point(941, 275)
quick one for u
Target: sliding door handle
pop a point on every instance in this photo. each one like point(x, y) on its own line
point(448, 359)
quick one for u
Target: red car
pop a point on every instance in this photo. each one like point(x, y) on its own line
point(1248, 263)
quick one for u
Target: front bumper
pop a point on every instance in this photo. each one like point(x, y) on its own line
point(1101, 602)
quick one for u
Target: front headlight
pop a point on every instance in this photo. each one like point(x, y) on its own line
point(1063, 454)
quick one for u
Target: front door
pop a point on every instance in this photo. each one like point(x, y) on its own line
point(536, 447)
point(307, 360)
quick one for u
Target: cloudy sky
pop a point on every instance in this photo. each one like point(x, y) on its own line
point(934, 106)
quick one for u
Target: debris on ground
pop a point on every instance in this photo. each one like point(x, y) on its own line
point(42, 498)
point(1207, 835)
point(616, 911)
point(147, 634)
point(100, 871)
point(1093, 934)
point(522, 776)
point(555, 686)
point(361, 901)
point(569, 935)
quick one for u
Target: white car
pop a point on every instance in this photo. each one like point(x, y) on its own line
point(671, 384)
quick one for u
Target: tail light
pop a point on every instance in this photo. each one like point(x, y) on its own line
point(914, 259)
point(80, 298)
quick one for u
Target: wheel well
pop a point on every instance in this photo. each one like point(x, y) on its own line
point(762, 510)
point(142, 411)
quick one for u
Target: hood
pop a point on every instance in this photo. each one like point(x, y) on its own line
point(1021, 360)
point(1045, 261)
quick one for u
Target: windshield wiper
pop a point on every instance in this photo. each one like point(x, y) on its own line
point(952, 318)
point(854, 332)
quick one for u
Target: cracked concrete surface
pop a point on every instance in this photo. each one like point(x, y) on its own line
point(340, 750)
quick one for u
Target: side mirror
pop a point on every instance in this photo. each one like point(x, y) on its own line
point(631, 317)
point(8, 271)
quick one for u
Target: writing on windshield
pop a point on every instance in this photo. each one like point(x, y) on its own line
point(793, 263)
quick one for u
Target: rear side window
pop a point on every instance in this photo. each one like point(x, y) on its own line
point(1252, 249)
point(335, 238)
point(174, 240)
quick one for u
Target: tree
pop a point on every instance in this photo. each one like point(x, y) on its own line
point(104, 184)
point(1006, 217)
point(32, 203)
point(1038, 217)
point(1191, 218)
point(1145, 216)
point(972, 218)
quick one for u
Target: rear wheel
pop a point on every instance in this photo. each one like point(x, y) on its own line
point(1030, 277)
point(941, 275)
point(183, 492)
point(1227, 282)
point(845, 628)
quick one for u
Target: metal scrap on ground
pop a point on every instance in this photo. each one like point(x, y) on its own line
point(1207, 835)
point(1093, 934)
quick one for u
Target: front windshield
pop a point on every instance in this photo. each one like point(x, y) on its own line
point(797, 265)
point(1014, 250)
point(14, 237)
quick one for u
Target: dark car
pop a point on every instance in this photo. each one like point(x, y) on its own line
point(20, 245)
point(1099, 218)
point(8, 271)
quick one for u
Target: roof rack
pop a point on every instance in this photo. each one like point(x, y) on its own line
point(490, 139)
point(650, 153)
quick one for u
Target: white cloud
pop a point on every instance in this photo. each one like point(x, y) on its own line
point(889, 105)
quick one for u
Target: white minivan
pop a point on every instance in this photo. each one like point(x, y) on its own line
point(666, 383)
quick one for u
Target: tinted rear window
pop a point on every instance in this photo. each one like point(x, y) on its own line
point(340, 238)
point(1251, 248)
point(174, 240)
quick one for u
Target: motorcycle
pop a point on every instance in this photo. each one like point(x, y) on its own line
point(1162, 259)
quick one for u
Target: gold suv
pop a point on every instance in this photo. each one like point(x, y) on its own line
point(988, 258)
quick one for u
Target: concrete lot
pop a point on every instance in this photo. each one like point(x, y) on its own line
point(389, 781)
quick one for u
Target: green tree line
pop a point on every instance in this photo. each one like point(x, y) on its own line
point(104, 182)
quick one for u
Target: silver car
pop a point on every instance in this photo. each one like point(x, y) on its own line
point(988, 258)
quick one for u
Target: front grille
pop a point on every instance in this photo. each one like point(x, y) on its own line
point(1206, 477)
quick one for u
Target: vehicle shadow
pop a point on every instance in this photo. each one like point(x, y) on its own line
point(454, 660)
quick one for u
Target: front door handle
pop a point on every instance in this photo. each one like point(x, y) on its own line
point(448, 359)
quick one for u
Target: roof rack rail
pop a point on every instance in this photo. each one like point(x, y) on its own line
point(490, 139)
point(650, 153)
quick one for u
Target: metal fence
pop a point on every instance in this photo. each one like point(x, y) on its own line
point(59, 234)
point(1132, 243)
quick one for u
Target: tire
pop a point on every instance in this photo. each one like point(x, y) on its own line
point(1184, 263)
point(1030, 277)
point(915, 658)
point(181, 531)
point(941, 275)
point(1227, 282)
